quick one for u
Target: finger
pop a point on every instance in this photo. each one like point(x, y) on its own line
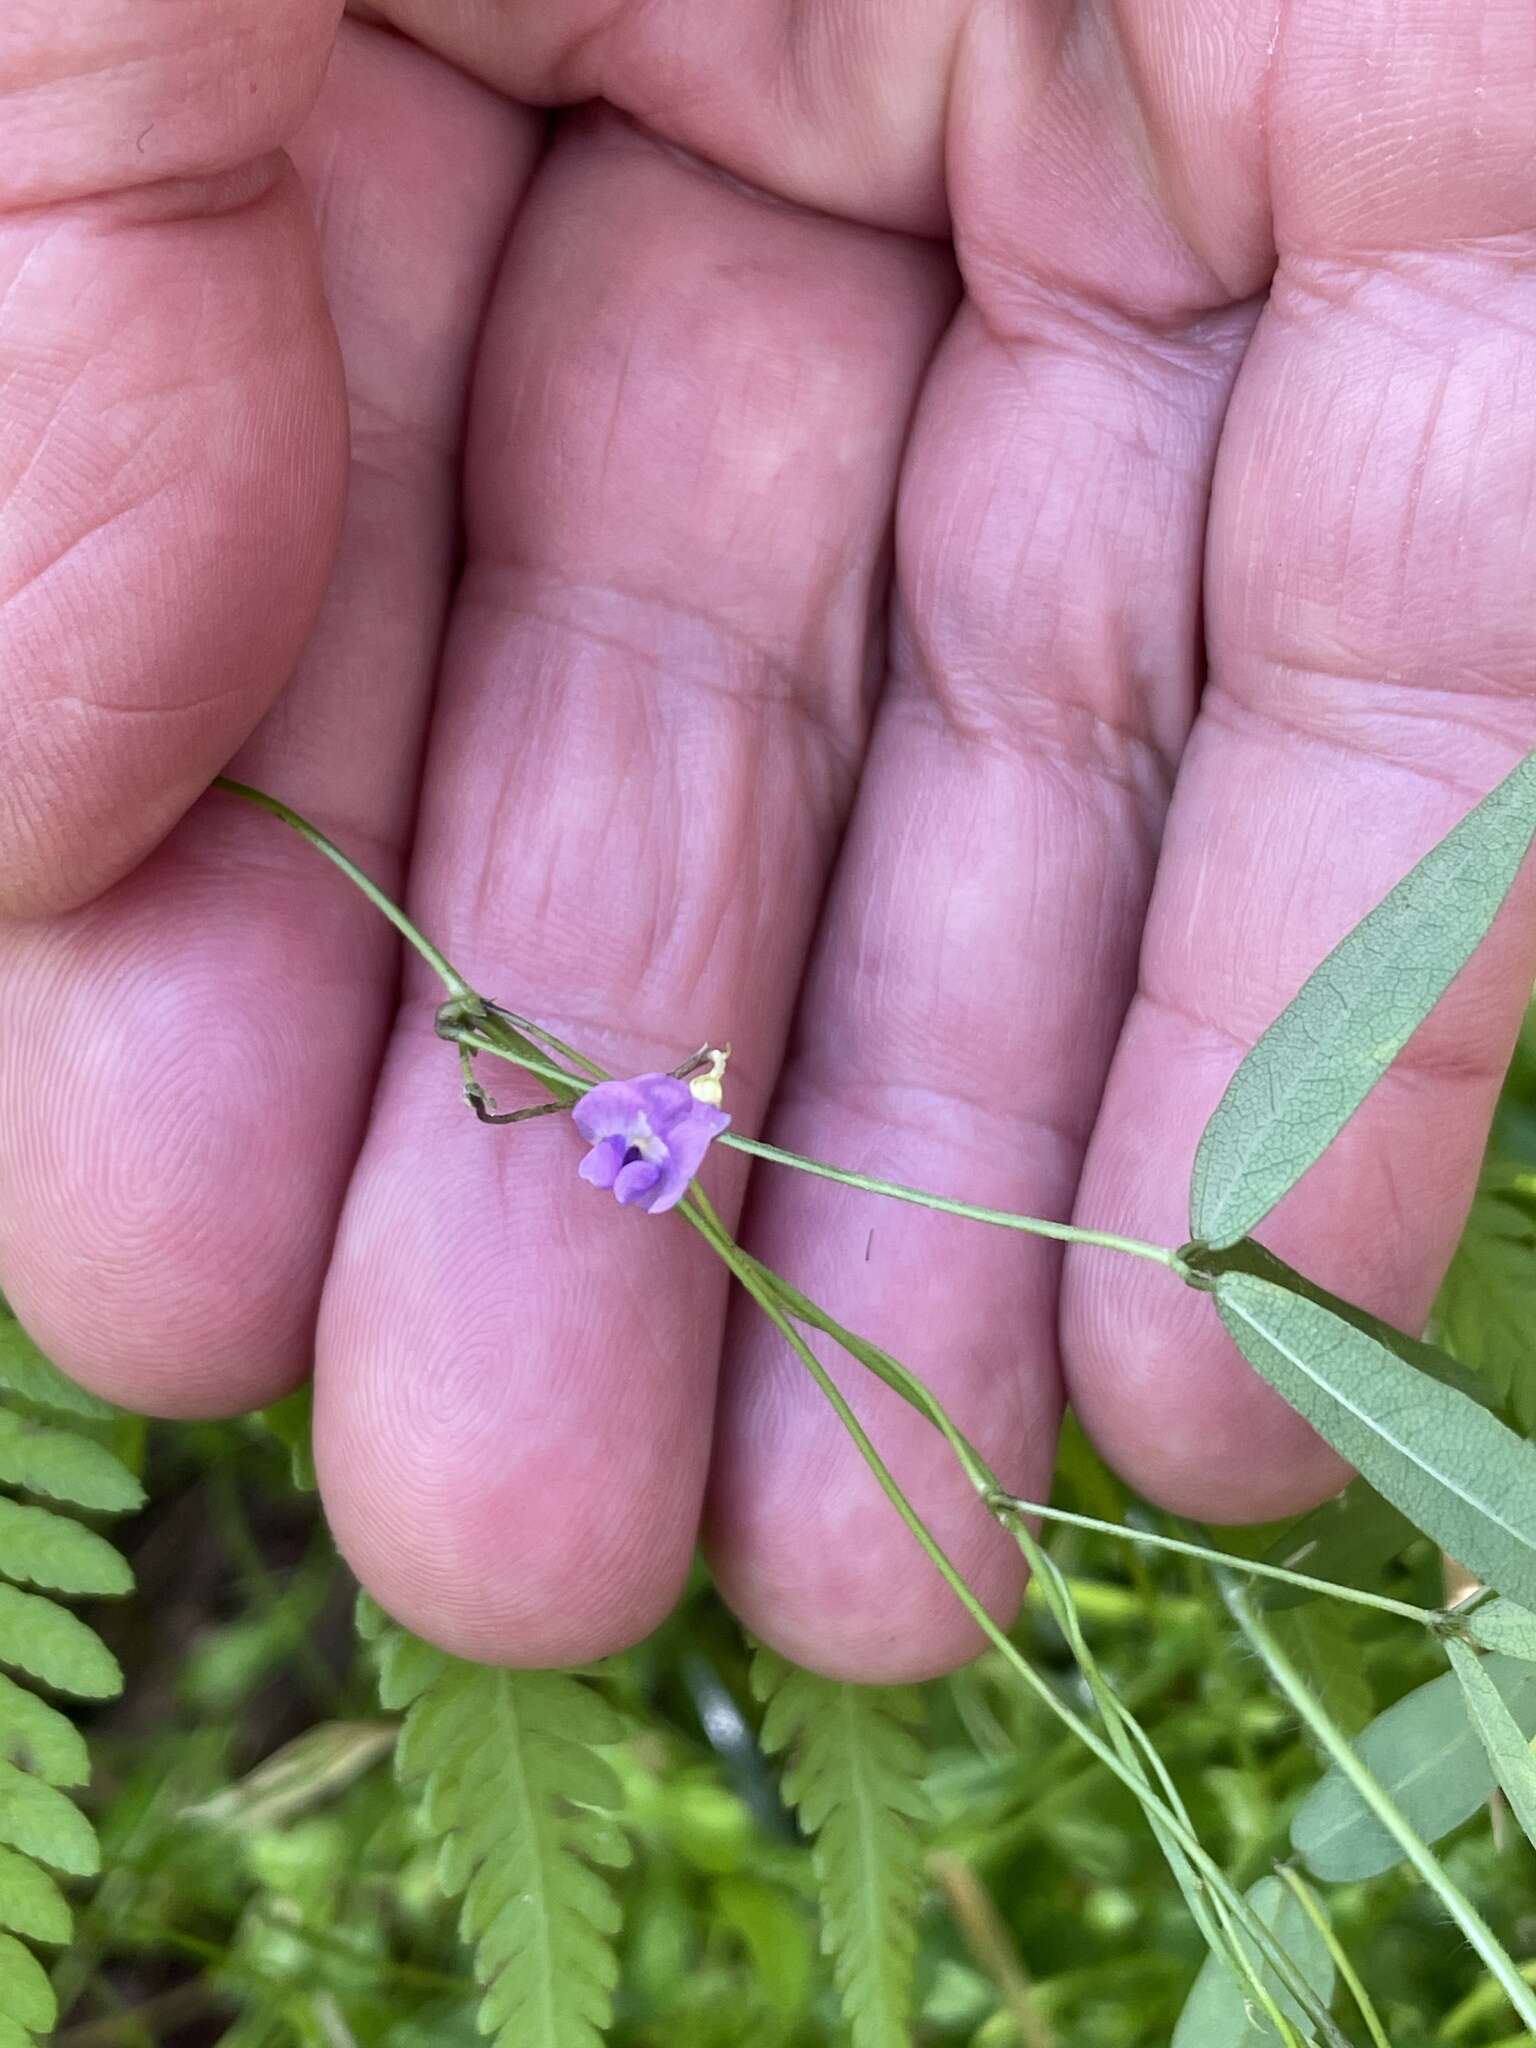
point(684, 439)
point(981, 936)
point(188, 1061)
point(836, 107)
point(1371, 643)
point(173, 454)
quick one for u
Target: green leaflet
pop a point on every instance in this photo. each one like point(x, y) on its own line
point(1249, 1256)
point(524, 1805)
point(39, 1738)
point(42, 1459)
point(1425, 1753)
point(1505, 1746)
point(1322, 1641)
point(48, 1642)
point(291, 1422)
point(1501, 1625)
point(30, 1902)
point(1320, 1058)
point(1220, 2012)
point(1450, 1466)
point(28, 1374)
point(1350, 1538)
point(44, 1549)
point(41, 1822)
point(40, 1749)
point(407, 1666)
point(26, 1996)
point(855, 1779)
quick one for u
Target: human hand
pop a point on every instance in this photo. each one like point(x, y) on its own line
point(682, 749)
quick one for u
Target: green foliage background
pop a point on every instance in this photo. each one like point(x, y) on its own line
point(269, 1884)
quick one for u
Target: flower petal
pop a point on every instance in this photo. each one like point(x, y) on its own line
point(667, 1101)
point(687, 1142)
point(602, 1164)
point(610, 1109)
point(636, 1181)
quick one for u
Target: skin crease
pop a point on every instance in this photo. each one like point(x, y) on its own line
point(959, 547)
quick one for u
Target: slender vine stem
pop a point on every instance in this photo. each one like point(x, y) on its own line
point(1426, 1617)
point(1342, 1754)
point(1307, 1899)
point(479, 1041)
point(452, 980)
point(484, 1028)
point(1004, 1219)
point(755, 1280)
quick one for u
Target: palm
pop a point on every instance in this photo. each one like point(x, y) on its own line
point(682, 749)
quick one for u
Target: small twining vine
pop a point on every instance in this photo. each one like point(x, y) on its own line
point(509, 1767)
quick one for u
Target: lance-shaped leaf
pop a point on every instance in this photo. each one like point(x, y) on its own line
point(1453, 1469)
point(1503, 1625)
point(1426, 1756)
point(1325, 1052)
point(1249, 1256)
point(1504, 1741)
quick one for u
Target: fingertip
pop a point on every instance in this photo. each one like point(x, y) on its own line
point(911, 1631)
point(457, 1567)
point(816, 1559)
point(492, 1538)
point(187, 1067)
point(513, 1384)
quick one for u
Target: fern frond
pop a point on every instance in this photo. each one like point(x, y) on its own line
point(41, 1751)
point(854, 1778)
point(523, 1803)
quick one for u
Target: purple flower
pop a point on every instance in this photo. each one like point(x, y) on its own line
point(647, 1136)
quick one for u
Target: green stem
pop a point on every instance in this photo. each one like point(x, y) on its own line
point(1135, 1745)
point(1005, 1219)
point(1307, 1899)
point(1342, 1754)
point(754, 1280)
point(456, 985)
point(543, 1070)
point(1012, 1504)
point(451, 979)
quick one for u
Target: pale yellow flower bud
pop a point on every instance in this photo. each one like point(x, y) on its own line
point(706, 1087)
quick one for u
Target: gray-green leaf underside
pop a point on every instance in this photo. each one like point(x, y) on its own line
point(1323, 1054)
